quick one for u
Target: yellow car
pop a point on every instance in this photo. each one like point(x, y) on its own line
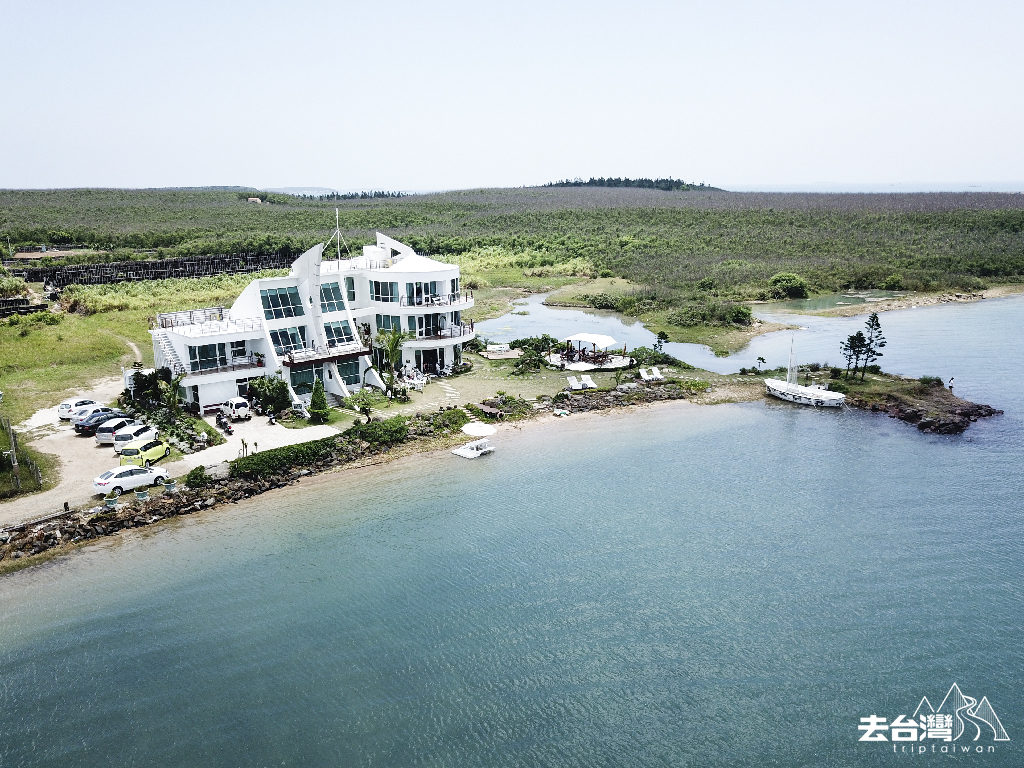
point(144, 452)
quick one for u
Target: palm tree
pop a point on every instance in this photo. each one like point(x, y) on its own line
point(760, 361)
point(390, 344)
point(169, 394)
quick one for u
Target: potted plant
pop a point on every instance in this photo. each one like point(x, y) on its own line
point(169, 485)
point(110, 500)
point(141, 494)
point(259, 359)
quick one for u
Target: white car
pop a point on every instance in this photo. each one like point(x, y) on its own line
point(65, 409)
point(121, 479)
point(236, 408)
point(127, 435)
point(77, 417)
point(105, 432)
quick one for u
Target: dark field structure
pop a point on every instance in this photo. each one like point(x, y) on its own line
point(729, 242)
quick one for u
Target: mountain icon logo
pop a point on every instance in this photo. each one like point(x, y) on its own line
point(971, 717)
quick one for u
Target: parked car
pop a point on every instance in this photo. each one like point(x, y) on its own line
point(65, 409)
point(83, 413)
point(236, 408)
point(132, 434)
point(105, 431)
point(89, 425)
point(144, 452)
point(121, 479)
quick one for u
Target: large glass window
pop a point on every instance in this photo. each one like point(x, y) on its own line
point(281, 302)
point(383, 291)
point(207, 356)
point(349, 371)
point(303, 376)
point(387, 322)
point(417, 294)
point(337, 333)
point(288, 339)
point(238, 349)
point(330, 298)
point(350, 289)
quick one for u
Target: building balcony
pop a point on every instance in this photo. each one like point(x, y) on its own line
point(448, 300)
point(332, 353)
point(452, 334)
point(246, 363)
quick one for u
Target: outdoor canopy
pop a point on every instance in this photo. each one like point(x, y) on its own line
point(596, 339)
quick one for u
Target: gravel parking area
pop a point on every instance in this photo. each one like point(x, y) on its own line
point(82, 459)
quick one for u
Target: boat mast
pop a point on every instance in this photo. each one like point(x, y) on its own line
point(791, 376)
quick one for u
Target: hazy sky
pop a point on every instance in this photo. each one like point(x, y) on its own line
point(446, 95)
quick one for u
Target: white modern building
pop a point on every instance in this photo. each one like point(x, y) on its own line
point(319, 322)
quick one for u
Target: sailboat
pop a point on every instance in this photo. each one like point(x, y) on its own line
point(815, 394)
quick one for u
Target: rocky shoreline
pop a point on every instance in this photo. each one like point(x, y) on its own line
point(952, 417)
point(32, 541)
point(943, 413)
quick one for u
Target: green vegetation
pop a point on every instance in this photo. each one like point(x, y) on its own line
point(318, 410)
point(266, 464)
point(665, 185)
point(271, 392)
point(197, 478)
point(861, 349)
point(12, 287)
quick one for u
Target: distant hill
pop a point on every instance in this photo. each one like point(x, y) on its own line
point(666, 185)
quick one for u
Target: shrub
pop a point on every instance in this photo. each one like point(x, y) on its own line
point(835, 373)
point(197, 478)
point(539, 344)
point(711, 313)
point(930, 381)
point(380, 433)
point(450, 420)
point(786, 285)
point(648, 356)
point(318, 410)
point(276, 460)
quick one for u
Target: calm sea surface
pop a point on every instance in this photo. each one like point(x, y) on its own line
point(680, 585)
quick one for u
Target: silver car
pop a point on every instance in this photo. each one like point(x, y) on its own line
point(105, 431)
point(128, 435)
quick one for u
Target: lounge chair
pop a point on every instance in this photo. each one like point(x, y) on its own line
point(645, 375)
point(573, 384)
point(656, 375)
point(588, 383)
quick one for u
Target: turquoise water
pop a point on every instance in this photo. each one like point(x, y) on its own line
point(730, 585)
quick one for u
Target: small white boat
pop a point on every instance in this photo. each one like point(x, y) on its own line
point(813, 395)
point(474, 450)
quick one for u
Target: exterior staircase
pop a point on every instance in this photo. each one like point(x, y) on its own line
point(171, 359)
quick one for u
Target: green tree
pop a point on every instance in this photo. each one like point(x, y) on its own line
point(318, 410)
point(390, 344)
point(362, 402)
point(169, 394)
point(873, 342)
point(853, 351)
point(272, 392)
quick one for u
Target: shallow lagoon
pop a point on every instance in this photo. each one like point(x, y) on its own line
point(677, 585)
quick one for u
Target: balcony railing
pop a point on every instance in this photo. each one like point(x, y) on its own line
point(451, 332)
point(442, 300)
point(236, 364)
point(319, 352)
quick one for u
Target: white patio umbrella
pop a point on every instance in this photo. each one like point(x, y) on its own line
point(478, 429)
